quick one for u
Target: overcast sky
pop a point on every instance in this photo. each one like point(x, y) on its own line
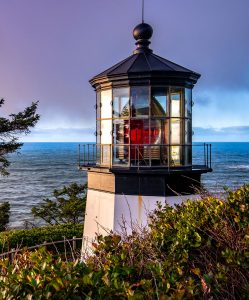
point(49, 49)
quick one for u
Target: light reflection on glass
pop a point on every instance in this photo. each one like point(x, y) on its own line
point(175, 155)
point(106, 106)
point(120, 102)
point(140, 101)
point(158, 101)
point(106, 131)
point(175, 131)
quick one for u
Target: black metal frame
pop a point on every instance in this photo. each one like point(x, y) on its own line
point(87, 158)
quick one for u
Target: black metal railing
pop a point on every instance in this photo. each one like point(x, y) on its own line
point(145, 155)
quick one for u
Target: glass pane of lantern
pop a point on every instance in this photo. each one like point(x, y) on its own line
point(106, 106)
point(188, 103)
point(98, 132)
point(139, 132)
point(106, 131)
point(155, 140)
point(120, 102)
point(156, 132)
point(98, 153)
point(140, 101)
point(175, 155)
point(120, 155)
point(188, 131)
point(158, 101)
point(165, 132)
point(106, 151)
point(98, 105)
point(140, 155)
point(175, 131)
point(175, 97)
point(139, 135)
point(121, 131)
point(187, 155)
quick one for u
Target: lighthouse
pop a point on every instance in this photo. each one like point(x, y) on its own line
point(143, 153)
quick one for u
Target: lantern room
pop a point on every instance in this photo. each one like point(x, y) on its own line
point(144, 110)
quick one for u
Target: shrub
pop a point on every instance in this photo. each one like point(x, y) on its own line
point(35, 236)
point(196, 250)
point(38, 275)
point(199, 249)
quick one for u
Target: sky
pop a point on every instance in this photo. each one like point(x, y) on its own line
point(49, 49)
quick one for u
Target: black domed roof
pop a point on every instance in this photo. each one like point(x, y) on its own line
point(144, 63)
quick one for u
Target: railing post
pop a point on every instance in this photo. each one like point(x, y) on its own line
point(94, 155)
point(88, 154)
point(79, 155)
point(210, 147)
point(74, 243)
point(110, 150)
point(204, 145)
point(169, 157)
point(135, 155)
point(12, 254)
point(150, 155)
point(84, 154)
point(101, 154)
point(138, 154)
point(207, 155)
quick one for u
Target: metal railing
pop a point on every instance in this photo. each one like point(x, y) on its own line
point(72, 243)
point(145, 156)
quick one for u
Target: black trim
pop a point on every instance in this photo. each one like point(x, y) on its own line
point(157, 185)
point(145, 184)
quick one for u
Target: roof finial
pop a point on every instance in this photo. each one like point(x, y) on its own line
point(142, 33)
point(142, 11)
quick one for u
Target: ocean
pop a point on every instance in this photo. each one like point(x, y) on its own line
point(39, 168)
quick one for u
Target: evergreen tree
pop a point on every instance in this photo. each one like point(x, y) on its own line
point(67, 206)
point(11, 128)
point(4, 215)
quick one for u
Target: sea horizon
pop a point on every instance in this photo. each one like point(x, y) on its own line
point(41, 167)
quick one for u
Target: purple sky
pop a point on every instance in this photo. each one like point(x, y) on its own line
point(49, 49)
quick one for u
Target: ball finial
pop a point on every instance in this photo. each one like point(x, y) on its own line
point(142, 31)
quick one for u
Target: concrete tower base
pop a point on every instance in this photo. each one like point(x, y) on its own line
point(107, 212)
point(118, 201)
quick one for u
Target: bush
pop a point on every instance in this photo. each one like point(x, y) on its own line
point(38, 276)
point(4, 215)
point(30, 237)
point(197, 250)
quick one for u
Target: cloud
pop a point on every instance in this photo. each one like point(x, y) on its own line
point(219, 108)
point(225, 134)
point(60, 135)
point(202, 99)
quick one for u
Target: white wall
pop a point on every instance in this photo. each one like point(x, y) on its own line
point(107, 211)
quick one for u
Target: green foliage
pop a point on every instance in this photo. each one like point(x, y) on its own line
point(10, 129)
point(68, 206)
point(36, 236)
point(4, 215)
point(197, 250)
point(38, 276)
